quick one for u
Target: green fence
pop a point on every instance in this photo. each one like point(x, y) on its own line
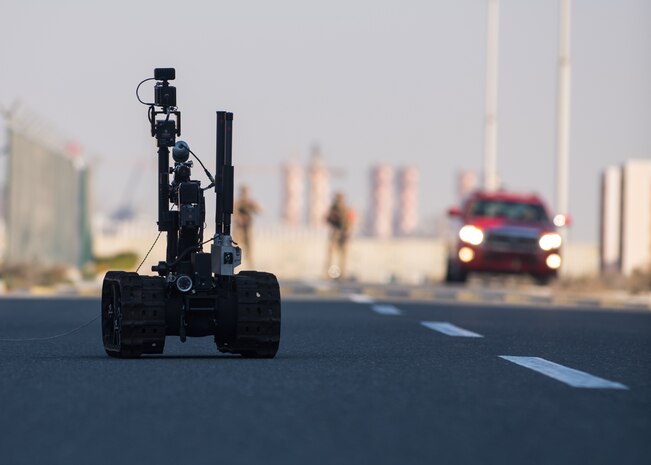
point(47, 205)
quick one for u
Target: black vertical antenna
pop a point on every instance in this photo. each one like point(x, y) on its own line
point(163, 188)
point(225, 172)
point(167, 220)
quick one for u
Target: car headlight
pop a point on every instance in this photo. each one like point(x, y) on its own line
point(550, 241)
point(554, 261)
point(471, 234)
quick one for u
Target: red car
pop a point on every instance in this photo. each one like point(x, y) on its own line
point(504, 232)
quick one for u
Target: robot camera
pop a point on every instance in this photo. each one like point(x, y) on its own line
point(181, 151)
point(164, 74)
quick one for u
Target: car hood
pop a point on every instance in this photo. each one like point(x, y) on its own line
point(515, 228)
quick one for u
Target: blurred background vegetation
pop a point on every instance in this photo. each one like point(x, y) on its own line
point(25, 276)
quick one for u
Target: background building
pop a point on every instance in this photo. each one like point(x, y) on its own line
point(380, 216)
point(292, 206)
point(406, 213)
point(625, 236)
point(318, 189)
point(467, 183)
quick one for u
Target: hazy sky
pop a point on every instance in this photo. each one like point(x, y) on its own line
point(370, 81)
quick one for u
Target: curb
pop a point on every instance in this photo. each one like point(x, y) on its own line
point(462, 295)
point(295, 290)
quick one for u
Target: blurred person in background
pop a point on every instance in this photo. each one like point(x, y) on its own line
point(340, 218)
point(245, 209)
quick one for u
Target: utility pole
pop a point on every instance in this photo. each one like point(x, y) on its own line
point(490, 118)
point(563, 111)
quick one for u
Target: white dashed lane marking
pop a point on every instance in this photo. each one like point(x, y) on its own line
point(361, 299)
point(386, 310)
point(449, 329)
point(569, 376)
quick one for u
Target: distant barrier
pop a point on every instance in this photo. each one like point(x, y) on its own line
point(300, 253)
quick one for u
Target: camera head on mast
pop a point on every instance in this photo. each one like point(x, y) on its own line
point(164, 94)
point(166, 129)
point(181, 152)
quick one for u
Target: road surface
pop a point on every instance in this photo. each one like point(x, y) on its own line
point(356, 381)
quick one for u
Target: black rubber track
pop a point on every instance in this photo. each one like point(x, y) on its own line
point(258, 316)
point(133, 314)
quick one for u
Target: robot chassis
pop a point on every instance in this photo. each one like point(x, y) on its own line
point(195, 293)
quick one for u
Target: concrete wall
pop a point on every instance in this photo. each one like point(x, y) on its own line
point(370, 260)
point(301, 254)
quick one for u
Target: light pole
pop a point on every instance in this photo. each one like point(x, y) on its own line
point(563, 112)
point(490, 181)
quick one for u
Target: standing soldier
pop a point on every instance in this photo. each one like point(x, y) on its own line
point(245, 209)
point(340, 220)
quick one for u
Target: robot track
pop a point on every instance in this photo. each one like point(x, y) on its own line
point(254, 331)
point(133, 314)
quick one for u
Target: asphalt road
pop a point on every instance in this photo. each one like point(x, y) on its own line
point(353, 383)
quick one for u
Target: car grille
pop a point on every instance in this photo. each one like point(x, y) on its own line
point(510, 243)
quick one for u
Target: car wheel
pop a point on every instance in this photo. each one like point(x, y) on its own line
point(454, 273)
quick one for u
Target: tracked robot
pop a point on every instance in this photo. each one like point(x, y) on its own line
point(196, 293)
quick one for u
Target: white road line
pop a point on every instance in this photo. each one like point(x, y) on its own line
point(570, 376)
point(361, 299)
point(386, 310)
point(449, 329)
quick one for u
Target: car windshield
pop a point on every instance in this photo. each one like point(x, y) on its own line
point(515, 211)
